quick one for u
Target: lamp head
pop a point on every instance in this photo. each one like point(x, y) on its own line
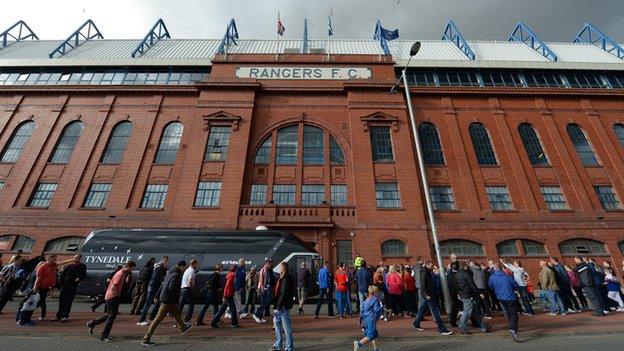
point(415, 48)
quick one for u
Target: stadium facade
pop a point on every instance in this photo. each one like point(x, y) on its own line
point(524, 148)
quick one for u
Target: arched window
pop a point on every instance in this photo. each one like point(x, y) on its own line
point(287, 145)
point(507, 248)
point(335, 152)
point(299, 147)
point(393, 248)
point(582, 145)
point(482, 145)
point(17, 141)
point(65, 244)
point(581, 247)
point(533, 248)
point(621, 246)
point(264, 152)
point(66, 143)
point(461, 248)
point(532, 145)
point(113, 153)
point(169, 144)
point(618, 128)
point(430, 144)
point(23, 243)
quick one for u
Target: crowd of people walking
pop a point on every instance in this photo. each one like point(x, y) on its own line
point(477, 292)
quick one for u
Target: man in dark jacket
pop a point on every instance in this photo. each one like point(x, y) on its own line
point(158, 275)
point(364, 279)
point(563, 281)
point(69, 280)
point(467, 290)
point(588, 284)
point(213, 291)
point(304, 279)
point(451, 278)
point(428, 298)
point(169, 297)
point(139, 293)
point(239, 288)
point(285, 292)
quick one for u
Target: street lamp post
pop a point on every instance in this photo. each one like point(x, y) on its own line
point(423, 175)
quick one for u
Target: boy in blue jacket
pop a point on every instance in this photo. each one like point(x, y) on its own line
point(370, 312)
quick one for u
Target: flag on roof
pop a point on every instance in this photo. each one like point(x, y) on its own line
point(280, 27)
point(386, 34)
point(330, 28)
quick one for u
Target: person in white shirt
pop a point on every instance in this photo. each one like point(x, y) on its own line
point(519, 275)
point(187, 296)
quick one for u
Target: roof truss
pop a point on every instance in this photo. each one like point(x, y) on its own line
point(17, 32)
point(452, 34)
point(592, 35)
point(522, 33)
point(157, 32)
point(87, 31)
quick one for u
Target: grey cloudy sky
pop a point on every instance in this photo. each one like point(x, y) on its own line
point(553, 20)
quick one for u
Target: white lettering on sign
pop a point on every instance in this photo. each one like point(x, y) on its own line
point(107, 259)
point(311, 73)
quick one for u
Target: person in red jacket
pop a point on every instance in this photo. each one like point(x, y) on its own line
point(395, 290)
point(228, 300)
point(409, 294)
point(341, 280)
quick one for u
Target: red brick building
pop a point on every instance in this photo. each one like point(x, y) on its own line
point(525, 156)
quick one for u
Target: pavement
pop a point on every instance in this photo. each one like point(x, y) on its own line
point(573, 330)
point(611, 342)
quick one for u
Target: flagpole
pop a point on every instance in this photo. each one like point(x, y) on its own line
point(225, 51)
point(278, 38)
point(327, 44)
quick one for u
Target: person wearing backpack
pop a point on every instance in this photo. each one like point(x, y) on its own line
point(212, 290)
point(285, 294)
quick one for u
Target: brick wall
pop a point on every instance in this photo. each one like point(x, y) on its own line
point(345, 110)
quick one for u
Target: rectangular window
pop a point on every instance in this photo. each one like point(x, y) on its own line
point(258, 194)
point(553, 196)
point(442, 198)
point(97, 195)
point(218, 143)
point(344, 252)
point(338, 195)
point(154, 196)
point(312, 194)
point(381, 144)
point(42, 196)
point(499, 198)
point(284, 194)
point(608, 198)
point(313, 151)
point(387, 195)
point(208, 194)
point(287, 145)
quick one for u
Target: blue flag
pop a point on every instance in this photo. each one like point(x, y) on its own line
point(330, 28)
point(383, 33)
